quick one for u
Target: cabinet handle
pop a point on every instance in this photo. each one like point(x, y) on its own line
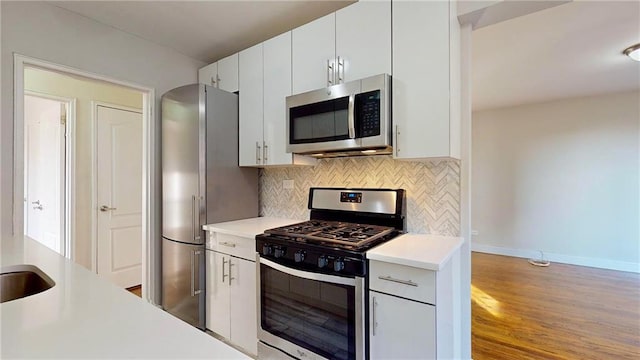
point(396, 144)
point(218, 78)
point(228, 244)
point(230, 277)
point(213, 80)
point(265, 150)
point(375, 321)
point(223, 274)
point(351, 118)
point(340, 70)
point(404, 282)
point(258, 147)
point(329, 73)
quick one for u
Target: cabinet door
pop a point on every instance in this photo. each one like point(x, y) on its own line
point(218, 293)
point(400, 328)
point(277, 86)
point(208, 74)
point(250, 103)
point(421, 79)
point(244, 324)
point(363, 39)
point(228, 73)
point(313, 45)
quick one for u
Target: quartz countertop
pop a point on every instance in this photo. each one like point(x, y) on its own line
point(423, 251)
point(85, 316)
point(249, 228)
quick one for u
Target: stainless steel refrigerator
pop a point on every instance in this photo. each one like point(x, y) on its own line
point(201, 184)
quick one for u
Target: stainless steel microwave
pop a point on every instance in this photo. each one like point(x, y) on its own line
point(342, 120)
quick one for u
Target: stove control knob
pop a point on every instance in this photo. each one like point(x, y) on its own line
point(322, 261)
point(279, 252)
point(338, 265)
point(267, 249)
point(299, 256)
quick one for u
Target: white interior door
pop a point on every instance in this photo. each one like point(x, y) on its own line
point(119, 195)
point(44, 165)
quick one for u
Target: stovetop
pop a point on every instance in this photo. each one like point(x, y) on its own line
point(341, 234)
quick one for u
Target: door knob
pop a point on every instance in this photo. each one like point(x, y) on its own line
point(106, 208)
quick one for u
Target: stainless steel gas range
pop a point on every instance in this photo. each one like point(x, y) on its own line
point(312, 275)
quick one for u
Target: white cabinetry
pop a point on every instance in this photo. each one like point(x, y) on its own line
point(251, 107)
point(314, 50)
point(426, 81)
point(350, 44)
point(222, 74)
point(363, 40)
point(411, 312)
point(401, 329)
point(231, 289)
point(265, 82)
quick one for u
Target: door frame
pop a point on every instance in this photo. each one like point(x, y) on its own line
point(94, 175)
point(150, 254)
point(67, 243)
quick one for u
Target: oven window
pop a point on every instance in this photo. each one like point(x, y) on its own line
point(315, 315)
point(319, 122)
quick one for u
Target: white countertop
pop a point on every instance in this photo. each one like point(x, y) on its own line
point(423, 251)
point(85, 316)
point(249, 228)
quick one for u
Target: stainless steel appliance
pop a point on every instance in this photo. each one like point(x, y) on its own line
point(312, 275)
point(345, 119)
point(201, 184)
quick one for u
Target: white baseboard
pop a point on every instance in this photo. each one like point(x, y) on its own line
point(559, 258)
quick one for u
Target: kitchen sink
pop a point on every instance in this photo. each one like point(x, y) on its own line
point(20, 281)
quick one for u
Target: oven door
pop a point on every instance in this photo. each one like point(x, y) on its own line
point(310, 315)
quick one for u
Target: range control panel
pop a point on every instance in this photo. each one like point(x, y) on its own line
point(351, 197)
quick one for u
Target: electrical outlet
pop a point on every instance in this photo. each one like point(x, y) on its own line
point(475, 232)
point(287, 184)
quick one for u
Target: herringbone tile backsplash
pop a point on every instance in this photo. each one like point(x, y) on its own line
point(433, 188)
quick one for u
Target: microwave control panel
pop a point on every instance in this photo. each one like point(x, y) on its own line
point(368, 113)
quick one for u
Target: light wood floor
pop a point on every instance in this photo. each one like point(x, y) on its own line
point(136, 290)
point(520, 311)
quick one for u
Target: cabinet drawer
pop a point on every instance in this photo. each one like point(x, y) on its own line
point(232, 245)
point(404, 281)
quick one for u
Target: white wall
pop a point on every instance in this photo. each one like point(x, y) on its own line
point(561, 177)
point(46, 32)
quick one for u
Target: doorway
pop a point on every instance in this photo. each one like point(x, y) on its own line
point(78, 216)
point(46, 149)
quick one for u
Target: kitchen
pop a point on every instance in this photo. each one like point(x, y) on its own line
point(436, 172)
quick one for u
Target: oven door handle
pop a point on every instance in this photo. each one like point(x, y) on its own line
point(309, 275)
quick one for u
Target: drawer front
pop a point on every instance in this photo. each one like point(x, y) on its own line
point(232, 245)
point(404, 281)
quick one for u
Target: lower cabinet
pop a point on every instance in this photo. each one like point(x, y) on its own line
point(231, 299)
point(412, 311)
point(401, 328)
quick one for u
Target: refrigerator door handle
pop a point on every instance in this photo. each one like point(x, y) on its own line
point(195, 207)
point(195, 266)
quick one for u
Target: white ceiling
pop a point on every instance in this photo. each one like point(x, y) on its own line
point(566, 51)
point(204, 30)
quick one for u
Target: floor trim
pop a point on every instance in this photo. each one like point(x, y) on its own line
point(559, 258)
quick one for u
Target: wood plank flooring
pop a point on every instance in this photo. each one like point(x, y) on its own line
point(136, 290)
point(520, 311)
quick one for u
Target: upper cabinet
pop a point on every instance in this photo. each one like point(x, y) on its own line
point(350, 44)
point(363, 40)
point(426, 80)
point(250, 105)
point(314, 50)
point(222, 74)
point(265, 83)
